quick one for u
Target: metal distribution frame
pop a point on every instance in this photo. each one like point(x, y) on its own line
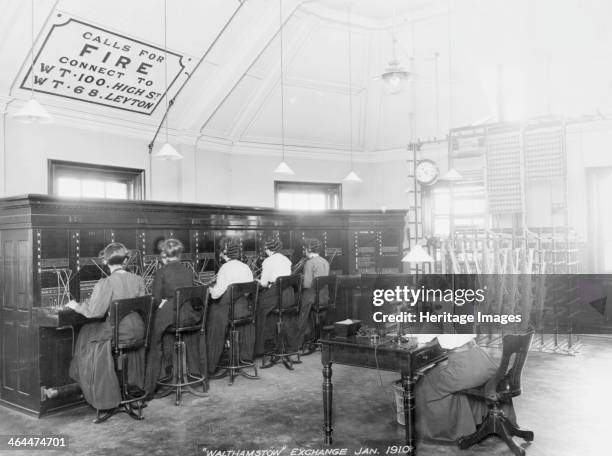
point(535, 273)
point(504, 189)
point(522, 169)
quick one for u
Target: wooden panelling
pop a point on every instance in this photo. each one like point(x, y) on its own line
point(19, 354)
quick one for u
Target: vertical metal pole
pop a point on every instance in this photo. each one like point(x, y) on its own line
point(150, 173)
point(416, 201)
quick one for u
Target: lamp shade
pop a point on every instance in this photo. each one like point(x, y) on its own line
point(417, 254)
point(452, 175)
point(167, 152)
point(33, 112)
point(395, 77)
point(283, 168)
point(352, 177)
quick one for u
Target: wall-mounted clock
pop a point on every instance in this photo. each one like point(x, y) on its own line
point(426, 172)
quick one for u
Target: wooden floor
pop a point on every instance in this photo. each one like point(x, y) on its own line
point(566, 401)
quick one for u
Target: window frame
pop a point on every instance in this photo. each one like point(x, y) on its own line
point(328, 188)
point(133, 177)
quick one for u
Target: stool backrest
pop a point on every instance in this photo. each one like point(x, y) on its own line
point(243, 314)
point(508, 377)
point(283, 283)
point(121, 308)
point(197, 298)
point(320, 283)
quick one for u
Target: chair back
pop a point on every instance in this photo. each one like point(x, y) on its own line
point(508, 377)
point(284, 283)
point(121, 308)
point(243, 302)
point(347, 294)
point(191, 305)
point(320, 284)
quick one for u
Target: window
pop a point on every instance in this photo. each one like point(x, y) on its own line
point(83, 180)
point(307, 196)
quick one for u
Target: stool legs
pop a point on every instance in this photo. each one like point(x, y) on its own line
point(181, 380)
point(130, 405)
point(236, 365)
point(280, 352)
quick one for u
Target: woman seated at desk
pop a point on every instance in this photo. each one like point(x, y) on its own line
point(92, 365)
point(167, 280)
point(442, 413)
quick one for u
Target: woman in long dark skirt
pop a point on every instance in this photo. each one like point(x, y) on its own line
point(92, 365)
point(442, 412)
point(232, 271)
point(275, 265)
point(168, 279)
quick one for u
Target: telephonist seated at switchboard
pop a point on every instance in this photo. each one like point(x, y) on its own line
point(315, 266)
point(92, 364)
point(232, 271)
point(167, 280)
point(275, 265)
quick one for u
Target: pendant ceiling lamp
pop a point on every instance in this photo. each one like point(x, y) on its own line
point(395, 75)
point(283, 167)
point(352, 176)
point(452, 175)
point(417, 254)
point(167, 150)
point(32, 111)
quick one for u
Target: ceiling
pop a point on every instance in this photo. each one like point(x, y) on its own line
point(378, 10)
point(233, 96)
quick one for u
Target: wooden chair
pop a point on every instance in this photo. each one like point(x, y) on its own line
point(319, 309)
point(348, 296)
point(500, 390)
point(132, 397)
point(181, 380)
point(281, 351)
point(243, 308)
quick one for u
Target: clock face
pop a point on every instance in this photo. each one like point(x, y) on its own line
point(426, 172)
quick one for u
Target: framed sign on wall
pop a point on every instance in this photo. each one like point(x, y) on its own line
point(85, 62)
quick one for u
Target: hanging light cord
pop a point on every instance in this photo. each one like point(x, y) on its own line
point(393, 34)
point(166, 62)
point(450, 70)
point(32, 49)
point(350, 87)
point(282, 77)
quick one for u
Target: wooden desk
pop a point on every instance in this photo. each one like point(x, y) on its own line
point(387, 355)
point(49, 317)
